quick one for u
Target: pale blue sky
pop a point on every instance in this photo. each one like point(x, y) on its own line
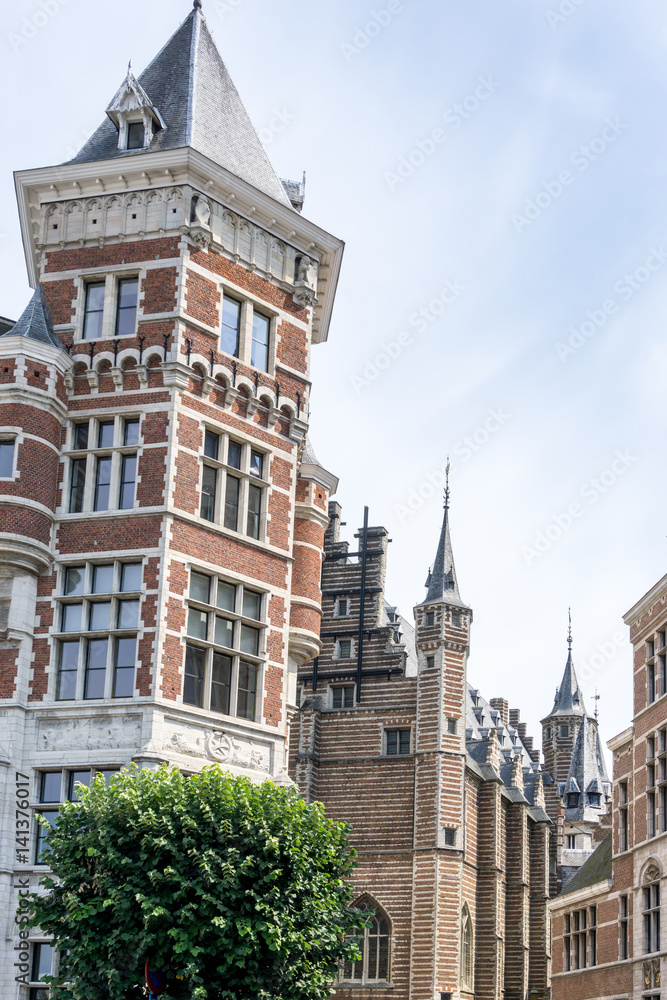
point(581, 98)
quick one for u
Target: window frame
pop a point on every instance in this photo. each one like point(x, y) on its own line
point(344, 698)
point(249, 307)
point(7, 437)
point(230, 506)
point(402, 743)
point(651, 930)
point(359, 970)
point(209, 645)
point(83, 636)
point(84, 464)
point(111, 281)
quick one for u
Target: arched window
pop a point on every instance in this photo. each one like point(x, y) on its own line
point(467, 950)
point(373, 944)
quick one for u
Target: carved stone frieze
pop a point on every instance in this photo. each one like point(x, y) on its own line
point(222, 747)
point(94, 733)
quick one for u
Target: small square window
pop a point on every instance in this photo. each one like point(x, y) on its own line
point(226, 596)
point(130, 577)
point(74, 579)
point(131, 433)
point(456, 619)
point(397, 742)
point(345, 649)
point(211, 445)
point(103, 580)
point(343, 697)
point(450, 836)
point(429, 618)
point(342, 607)
point(51, 788)
point(252, 605)
point(234, 455)
point(200, 587)
point(430, 662)
point(105, 434)
point(451, 726)
point(564, 731)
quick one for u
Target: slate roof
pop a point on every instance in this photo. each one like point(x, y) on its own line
point(596, 869)
point(569, 700)
point(441, 582)
point(5, 324)
point(190, 87)
point(587, 774)
point(35, 322)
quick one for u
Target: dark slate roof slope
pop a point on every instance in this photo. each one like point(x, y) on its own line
point(5, 325)
point(596, 869)
point(35, 322)
point(189, 85)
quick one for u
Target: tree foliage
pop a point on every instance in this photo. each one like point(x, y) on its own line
point(234, 890)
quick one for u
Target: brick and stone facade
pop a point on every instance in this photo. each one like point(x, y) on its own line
point(442, 789)
point(161, 514)
point(622, 885)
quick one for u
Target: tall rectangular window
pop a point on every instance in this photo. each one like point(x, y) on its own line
point(232, 503)
point(126, 307)
point(125, 658)
point(209, 486)
point(259, 356)
point(254, 510)
point(42, 961)
point(128, 481)
point(102, 483)
point(67, 670)
point(650, 683)
point(223, 653)
point(650, 814)
point(94, 311)
point(623, 816)
point(136, 135)
point(231, 324)
point(7, 458)
point(651, 907)
point(623, 937)
point(77, 485)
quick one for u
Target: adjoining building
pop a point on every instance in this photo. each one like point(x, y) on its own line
point(607, 935)
point(161, 524)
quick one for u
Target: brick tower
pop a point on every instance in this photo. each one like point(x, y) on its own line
point(161, 517)
point(442, 624)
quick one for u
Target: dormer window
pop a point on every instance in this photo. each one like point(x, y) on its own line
point(134, 115)
point(135, 135)
point(572, 800)
point(594, 799)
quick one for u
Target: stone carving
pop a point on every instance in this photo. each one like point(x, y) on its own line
point(201, 211)
point(652, 874)
point(306, 281)
point(94, 733)
point(221, 746)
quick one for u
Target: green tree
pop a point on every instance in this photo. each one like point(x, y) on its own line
point(233, 890)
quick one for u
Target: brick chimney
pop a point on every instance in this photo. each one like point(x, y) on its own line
point(501, 706)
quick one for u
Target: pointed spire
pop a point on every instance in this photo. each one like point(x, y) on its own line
point(441, 582)
point(35, 322)
point(587, 777)
point(188, 88)
point(569, 699)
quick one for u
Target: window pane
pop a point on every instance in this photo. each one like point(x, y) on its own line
point(74, 576)
point(231, 316)
point(128, 478)
point(77, 486)
point(404, 741)
point(254, 510)
point(348, 697)
point(259, 355)
point(103, 580)
point(105, 434)
point(224, 633)
point(221, 680)
point(392, 743)
point(252, 605)
point(123, 683)
point(193, 682)
point(80, 436)
point(256, 464)
point(136, 135)
point(6, 459)
point(67, 670)
point(72, 617)
point(130, 576)
point(102, 482)
point(383, 957)
point(128, 614)
point(249, 640)
point(92, 323)
point(199, 587)
point(43, 832)
point(100, 616)
point(126, 315)
point(42, 961)
point(234, 455)
point(96, 668)
point(131, 434)
point(209, 483)
point(211, 445)
point(226, 596)
point(51, 786)
point(82, 777)
point(247, 690)
point(198, 624)
point(232, 503)
point(107, 773)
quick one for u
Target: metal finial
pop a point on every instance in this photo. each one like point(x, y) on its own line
point(447, 485)
point(129, 68)
point(569, 631)
point(596, 699)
